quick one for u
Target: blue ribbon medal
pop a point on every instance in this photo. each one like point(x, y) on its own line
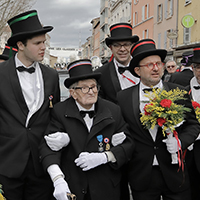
point(100, 139)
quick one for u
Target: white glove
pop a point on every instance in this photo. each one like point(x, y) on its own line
point(57, 141)
point(118, 138)
point(88, 161)
point(61, 189)
point(172, 144)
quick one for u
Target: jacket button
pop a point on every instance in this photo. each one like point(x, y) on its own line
point(84, 191)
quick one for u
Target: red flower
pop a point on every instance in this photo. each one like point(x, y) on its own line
point(161, 121)
point(195, 104)
point(166, 103)
point(145, 109)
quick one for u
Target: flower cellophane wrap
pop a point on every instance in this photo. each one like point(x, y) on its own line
point(162, 110)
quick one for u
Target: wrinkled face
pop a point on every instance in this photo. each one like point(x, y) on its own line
point(121, 51)
point(150, 70)
point(33, 50)
point(171, 67)
point(196, 71)
point(85, 93)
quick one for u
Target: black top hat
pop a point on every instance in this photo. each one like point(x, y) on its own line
point(25, 25)
point(8, 52)
point(143, 49)
point(80, 70)
point(196, 55)
point(121, 31)
point(187, 58)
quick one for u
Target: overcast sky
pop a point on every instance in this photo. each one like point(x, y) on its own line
point(71, 20)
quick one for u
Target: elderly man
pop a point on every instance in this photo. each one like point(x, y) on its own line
point(96, 138)
point(115, 74)
point(151, 173)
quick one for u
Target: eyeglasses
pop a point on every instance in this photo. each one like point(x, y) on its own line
point(119, 46)
point(170, 66)
point(196, 66)
point(87, 89)
point(151, 66)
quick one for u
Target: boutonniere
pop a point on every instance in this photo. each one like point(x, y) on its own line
point(1, 193)
point(164, 112)
point(50, 101)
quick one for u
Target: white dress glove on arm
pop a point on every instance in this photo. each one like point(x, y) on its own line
point(60, 185)
point(57, 141)
point(172, 144)
point(61, 189)
point(87, 161)
point(118, 138)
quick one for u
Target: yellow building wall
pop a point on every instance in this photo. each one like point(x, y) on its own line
point(192, 9)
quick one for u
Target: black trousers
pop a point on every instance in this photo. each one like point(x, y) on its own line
point(28, 186)
point(158, 188)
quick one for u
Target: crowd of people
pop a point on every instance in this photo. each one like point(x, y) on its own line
point(93, 145)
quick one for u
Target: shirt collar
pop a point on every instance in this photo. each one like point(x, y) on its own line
point(19, 63)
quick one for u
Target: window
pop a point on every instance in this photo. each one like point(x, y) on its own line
point(168, 8)
point(145, 12)
point(188, 1)
point(145, 34)
point(186, 35)
point(159, 13)
point(165, 40)
point(135, 18)
point(159, 41)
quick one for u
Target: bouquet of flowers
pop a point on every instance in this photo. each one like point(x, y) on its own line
point(196, 107)
point(1, 191)
point(164, 112)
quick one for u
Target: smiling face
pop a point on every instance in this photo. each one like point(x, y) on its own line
point(32, 51)
point(121, 51)
point(86, 100)
point(148, 76)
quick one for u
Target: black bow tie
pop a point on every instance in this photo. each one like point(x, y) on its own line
point(121, 70)
point(149, 89)
point(29, 70)
point(91, 113)
point(196, 87)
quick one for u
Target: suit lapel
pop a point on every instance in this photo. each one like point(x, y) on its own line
point(14, 80)
point(114, 77)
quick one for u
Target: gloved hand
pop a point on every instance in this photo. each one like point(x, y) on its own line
point(88, 161)
point(118, 138)
point(61, 189)
point(57, 141)
point(172, 144)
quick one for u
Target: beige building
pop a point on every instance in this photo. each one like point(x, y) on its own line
point(165, 25)
point(188, 26)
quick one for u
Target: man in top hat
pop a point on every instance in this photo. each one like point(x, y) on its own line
point(7, 53)
point(89, 164)
point(115, 74)
point(151, 173)
point(193, 152)
point(28, 92)
point(183, 78)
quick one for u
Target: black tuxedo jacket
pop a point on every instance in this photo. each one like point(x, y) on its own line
point(103, 181)
point(109, 82)
point(18, 142)
point(140, 166)
point(182, 78)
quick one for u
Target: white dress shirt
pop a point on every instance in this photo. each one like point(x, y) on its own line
point(153, 132)
point(124, 82)
point(32, 87)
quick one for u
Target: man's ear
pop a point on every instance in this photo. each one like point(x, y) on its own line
point(73, 93)
point(137, 70)
point(20, 45)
